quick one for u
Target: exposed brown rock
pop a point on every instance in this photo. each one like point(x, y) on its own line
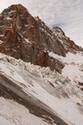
point(69, 45)
point(42, 58)
point(1, 17)
point(30, 39)
point(10, 35)
point(55, 64)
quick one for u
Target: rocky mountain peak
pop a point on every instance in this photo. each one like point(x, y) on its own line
point(30, 39)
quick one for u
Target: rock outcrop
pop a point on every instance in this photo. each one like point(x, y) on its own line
point(69, 45)
point(30, 39)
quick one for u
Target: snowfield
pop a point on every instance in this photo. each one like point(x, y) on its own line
point(57, 94)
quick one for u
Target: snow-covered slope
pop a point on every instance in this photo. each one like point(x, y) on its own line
point(73, 66)
point(12, 113)
point(57, 95)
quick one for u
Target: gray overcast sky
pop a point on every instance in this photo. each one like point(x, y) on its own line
point(67, 14)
